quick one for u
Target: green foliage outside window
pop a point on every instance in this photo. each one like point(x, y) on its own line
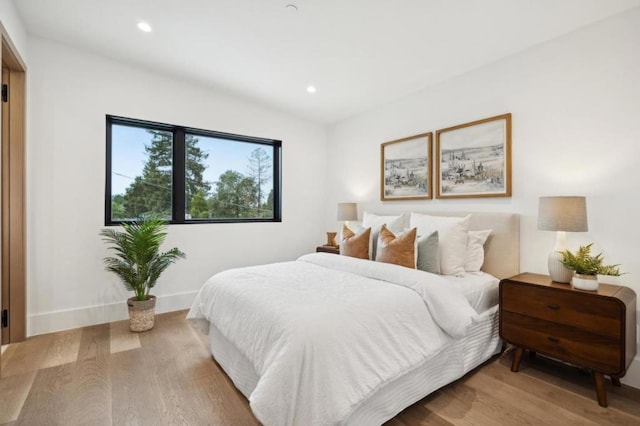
point(234, 195)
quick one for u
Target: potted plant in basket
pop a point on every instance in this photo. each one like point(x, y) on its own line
point(139, 263)
point(587, 267)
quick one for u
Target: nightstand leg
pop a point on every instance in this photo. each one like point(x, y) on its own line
point(517, 357)
point(600, 391)
point(616, 381)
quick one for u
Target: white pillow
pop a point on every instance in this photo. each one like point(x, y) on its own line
point(475, 250)
point(394, 224)
point(452, 236)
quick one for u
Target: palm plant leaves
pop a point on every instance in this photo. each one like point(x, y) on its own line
point(137, 259)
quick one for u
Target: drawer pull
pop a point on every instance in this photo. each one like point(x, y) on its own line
point(553, 339)
point(553, 306)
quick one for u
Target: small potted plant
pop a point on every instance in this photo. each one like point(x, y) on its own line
point(587, 267)
point(139, 263)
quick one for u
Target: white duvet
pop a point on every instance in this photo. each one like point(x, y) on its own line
point(325, 332)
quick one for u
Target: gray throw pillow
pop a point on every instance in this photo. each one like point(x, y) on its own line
point(428, 254)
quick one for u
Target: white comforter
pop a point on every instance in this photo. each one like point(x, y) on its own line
point(325, 332)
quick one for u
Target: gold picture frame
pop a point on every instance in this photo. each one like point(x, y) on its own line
point(473, 160)
point(406, 168)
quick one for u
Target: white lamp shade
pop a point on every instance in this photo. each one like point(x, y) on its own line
point(562, 214)
point(347, 211)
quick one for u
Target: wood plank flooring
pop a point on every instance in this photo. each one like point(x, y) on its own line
point(105, 375)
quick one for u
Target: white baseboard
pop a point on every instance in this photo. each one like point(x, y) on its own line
point(632, 378)
point(91, 315)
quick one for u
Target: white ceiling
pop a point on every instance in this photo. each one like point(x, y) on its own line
point(358, 53)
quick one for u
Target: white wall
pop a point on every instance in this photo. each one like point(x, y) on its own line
point(13, 27)
point(69, 94)
point(576, 131)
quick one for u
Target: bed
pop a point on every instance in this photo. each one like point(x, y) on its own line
point(329, 339)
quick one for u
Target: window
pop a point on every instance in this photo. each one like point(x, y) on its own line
point(189, 175)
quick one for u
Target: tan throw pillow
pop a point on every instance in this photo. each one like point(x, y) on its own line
point(355, 245)
point(400, 250)
point(394, 224)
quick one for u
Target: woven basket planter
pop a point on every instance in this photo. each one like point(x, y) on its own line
point(141, 313)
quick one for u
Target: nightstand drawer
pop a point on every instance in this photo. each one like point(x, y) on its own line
point(570, 344)
point(601, 316)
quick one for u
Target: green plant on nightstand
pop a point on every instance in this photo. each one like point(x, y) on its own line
point(587, 267)
point(582, 262)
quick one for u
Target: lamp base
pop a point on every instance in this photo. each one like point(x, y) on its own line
point(557, 271)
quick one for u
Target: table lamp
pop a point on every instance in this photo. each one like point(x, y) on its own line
point(561, 214)
point(347, 212)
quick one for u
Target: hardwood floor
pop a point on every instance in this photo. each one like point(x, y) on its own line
point(105, 375)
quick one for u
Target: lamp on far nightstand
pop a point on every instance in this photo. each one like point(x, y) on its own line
point(347, 212)
point(561, 214)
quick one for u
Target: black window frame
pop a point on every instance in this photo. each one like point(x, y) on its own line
point(179, 169)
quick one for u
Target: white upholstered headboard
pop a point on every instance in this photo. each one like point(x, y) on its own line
point(502, 249)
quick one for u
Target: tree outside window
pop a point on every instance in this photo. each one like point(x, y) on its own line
point(225, 177)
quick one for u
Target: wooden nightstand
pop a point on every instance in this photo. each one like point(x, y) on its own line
point(591, 329)
point(328, 249)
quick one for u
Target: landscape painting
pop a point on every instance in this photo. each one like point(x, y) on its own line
point(405, 168)
point(474, 159)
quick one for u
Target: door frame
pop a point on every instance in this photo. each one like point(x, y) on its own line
point(13, 195)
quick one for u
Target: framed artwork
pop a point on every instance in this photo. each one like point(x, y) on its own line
point(473, 160)
point(405, 168)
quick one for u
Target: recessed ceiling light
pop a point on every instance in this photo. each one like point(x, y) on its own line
point(144, 26)
point(311, 89)
point(291, 7)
